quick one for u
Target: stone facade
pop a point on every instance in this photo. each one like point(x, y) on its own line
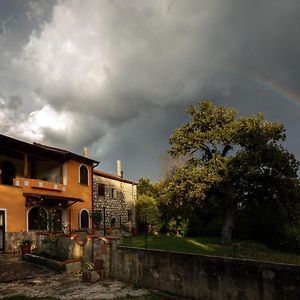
point(117, 197)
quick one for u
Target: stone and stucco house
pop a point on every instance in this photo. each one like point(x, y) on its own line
point(116, 198)
point(42, 188)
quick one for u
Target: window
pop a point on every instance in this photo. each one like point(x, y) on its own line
point(129, 212)
point(37, 219)
point(113, 193)
point(113, 223)
point(101, 189)
point(84, 219)
point(83, 178)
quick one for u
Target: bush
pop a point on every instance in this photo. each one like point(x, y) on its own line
point(148, 213)
point(178, 226)
point(290, 240)
point(96, 216)
point(214, 227)
point(195, 226)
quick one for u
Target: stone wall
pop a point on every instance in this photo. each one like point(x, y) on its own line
point(12, 239)
point(191, 276)
point(118, 203)
point(87, 248)
point(102, 251)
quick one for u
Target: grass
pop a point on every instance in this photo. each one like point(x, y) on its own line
point(212, 246)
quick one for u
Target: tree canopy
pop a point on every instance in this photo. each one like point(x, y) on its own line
point(235, 162)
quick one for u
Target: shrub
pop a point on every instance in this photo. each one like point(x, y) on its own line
point(96, 216)
point(194, 226)
point(24, 242)
point(148, 213)
point(290, 239)
point(178, 226)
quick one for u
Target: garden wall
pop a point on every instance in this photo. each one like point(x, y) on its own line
point(12, 239)
point(192, 276)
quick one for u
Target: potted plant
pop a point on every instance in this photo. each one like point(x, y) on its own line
point(96, 216)
point(25, 246)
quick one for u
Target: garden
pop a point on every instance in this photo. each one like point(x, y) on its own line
point(227, 187)
point(243, 249)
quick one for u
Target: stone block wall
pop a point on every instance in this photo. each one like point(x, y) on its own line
point(117, 203)
point(191, 276)
point(12, 239)
point(102, 251)
point(89, 248)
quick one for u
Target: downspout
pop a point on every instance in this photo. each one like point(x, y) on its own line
point(93, 167)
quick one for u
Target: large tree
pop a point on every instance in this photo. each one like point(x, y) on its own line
point(235, 160)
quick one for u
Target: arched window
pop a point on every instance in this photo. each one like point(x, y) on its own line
point(8, 172)
point(37, 219)
point(55, 219)
point(83, 176)
point(84, 219)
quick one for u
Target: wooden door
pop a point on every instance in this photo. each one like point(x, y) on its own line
point(2, 230)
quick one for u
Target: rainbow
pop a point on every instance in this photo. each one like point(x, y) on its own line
point(278, 89)
point(274, 87)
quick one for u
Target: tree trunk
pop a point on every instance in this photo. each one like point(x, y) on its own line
point(227, 226)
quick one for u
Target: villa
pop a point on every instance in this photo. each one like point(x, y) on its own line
point(46, 189)
point(42, 188)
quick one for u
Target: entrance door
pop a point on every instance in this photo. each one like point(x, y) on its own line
point(2, 230)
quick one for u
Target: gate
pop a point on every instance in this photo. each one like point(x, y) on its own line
point(2, 230)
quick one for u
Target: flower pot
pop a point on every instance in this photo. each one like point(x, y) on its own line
point(25, 249)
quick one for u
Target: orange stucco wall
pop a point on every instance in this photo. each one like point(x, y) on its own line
point(77, 190)
point(12, 199)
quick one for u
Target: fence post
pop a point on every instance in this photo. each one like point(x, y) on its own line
point(104, 229)
point(146, 231)
point(234, 244)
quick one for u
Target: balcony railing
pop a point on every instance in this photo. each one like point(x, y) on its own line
point(38, 184)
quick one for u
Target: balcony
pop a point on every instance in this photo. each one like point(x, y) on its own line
point(38, 184)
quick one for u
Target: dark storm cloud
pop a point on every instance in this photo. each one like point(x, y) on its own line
point(141, 145)
point(118, 74)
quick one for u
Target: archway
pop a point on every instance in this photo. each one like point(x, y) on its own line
point(84, 219)
point(37, 218)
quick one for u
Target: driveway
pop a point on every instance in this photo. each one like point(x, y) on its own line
point(18, 277)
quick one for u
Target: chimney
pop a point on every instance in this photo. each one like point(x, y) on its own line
point(119, 168)
point(85, 152)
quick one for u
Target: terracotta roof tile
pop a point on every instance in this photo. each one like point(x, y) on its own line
point(111, 176)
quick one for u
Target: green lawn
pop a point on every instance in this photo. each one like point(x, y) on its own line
point(211, 246)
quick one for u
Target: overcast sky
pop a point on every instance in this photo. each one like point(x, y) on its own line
point(115, 76)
